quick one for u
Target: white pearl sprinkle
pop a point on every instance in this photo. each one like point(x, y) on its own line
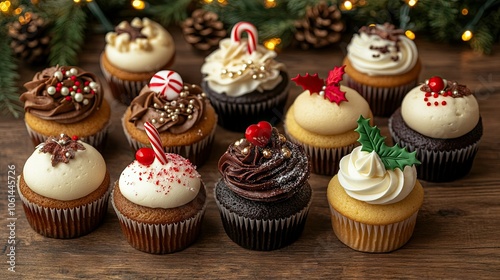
point(93, 85)
point(86, 89)
point(72, 93)
point(64, 91)
point(73, 71)
point(85, 101)
point(78, 97)
point(51, 90)
point(321, 93)
point(58, 75)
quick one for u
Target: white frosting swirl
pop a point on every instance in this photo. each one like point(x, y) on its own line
point(233, 57)
point(79, 177)
point(364, 177)
point(365, 58)
point(160, 186)
point(143, 54)
point(458, 117)
point(316, 114)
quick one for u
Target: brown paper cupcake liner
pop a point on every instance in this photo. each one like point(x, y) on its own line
point(97, 140)
point(124, 91)
point(383, 101)
point(441, 166)
point(324, 161)
point(372, 238)
point(65, 223)
point(197, 153)
point(263, 235)
point(160, 238)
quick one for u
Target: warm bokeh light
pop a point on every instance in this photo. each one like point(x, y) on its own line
point(465, 11)
point(5, 6)
point(138, 4)
point(412, 3)
point(272, 43)
point(18, 11)
point(467, 35)
point(270, 3)
point(208, 1)
point(76, 1)
point(348, 5)
point(410, 34)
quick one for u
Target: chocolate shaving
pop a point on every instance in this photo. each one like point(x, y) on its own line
point(456, 89)
point(134, 32)
point(62, 149)
point(387, 31)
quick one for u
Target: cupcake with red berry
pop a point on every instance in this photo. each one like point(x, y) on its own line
point(179, 111)
point(68, 100)
point(159, 199)
point(263, 196)
point(64, 188)
point(440, 120)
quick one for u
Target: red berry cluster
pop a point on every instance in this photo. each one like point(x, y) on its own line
point(438, 87)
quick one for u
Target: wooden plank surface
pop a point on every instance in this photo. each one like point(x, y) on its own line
point(457, 232)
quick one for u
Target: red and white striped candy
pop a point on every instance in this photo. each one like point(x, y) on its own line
point(168, 83)
point(247, 27)
point(154, 139)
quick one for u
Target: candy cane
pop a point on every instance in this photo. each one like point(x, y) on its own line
point(154, 139)
point(241, 27)
point(168, 83)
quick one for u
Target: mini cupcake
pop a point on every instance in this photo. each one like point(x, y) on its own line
point(322, 119)
point(382, 65)
point(64, 188)
point(375, 197)
point(263, 195)
point(243, 81)
point(134, 52)
point(179, 111)
point(68, 100)
point(439, 120)
point(160, 200)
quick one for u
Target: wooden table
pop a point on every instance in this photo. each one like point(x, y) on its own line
point(457, 233)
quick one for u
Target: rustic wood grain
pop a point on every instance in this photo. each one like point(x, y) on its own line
point(457, 232)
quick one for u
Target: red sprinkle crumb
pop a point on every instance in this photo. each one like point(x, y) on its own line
point(428, 104)
point(444, 102)
point(436, 103)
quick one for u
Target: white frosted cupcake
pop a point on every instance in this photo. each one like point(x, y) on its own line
point(64, 188)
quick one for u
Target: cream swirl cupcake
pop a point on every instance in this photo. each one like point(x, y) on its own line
point(68, 179)
point(440, 120)
point(375, 197)
point(382, 65)
point(308, 121)
point(134, 52)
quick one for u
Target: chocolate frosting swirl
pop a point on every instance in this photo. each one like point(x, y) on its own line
point(46, 97)
point(248, 173)
point(176, 116)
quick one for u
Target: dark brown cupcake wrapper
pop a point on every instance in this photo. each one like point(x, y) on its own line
point(383, 101)
point(372, 238)
point(65, 223)
point(441, 166)
point(160, 238)
point(124, 91)
point(262, 235)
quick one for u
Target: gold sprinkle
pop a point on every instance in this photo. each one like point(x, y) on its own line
point(245, 151)
point(267, 153)
point(282, 138)
point(286, 152)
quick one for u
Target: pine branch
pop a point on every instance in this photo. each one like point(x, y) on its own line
point(9, 97)
point(172, 12)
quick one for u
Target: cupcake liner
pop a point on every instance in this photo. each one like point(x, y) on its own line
point(263, 235)
point(97, 140)
point(197, 153)
point(372, 238)
point(65, 223)
point(383, 101)
point(441, 166)
point(124, 91)
point(160, 238)
point(324, 161)
point(238, 116)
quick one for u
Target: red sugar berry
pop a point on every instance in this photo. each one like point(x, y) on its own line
point(426, 99)
point(436, 84)
point(259, 134)
point(145, 156)
point(68, 98)
point(428, 94)
point(444, 102)
point(436, 103)
point(428, 104)
point(74, 137)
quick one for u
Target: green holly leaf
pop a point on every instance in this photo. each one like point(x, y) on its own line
point(371, 140)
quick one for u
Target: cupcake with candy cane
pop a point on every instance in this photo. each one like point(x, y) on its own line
point(159, 199)
point(179, 111)
point(243, 81)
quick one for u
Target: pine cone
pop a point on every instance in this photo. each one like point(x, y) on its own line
point(203, 30)
point(321, 26)
point(30, 39)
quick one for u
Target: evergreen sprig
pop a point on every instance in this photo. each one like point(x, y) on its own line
point(169, 12)
point(9, 97)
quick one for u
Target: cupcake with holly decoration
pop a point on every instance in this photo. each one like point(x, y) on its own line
point(68, 100)
point(440, 121)
point(322, 119)
point(375, 197)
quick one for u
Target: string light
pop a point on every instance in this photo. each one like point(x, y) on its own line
point(270, 4)
point(208, 1)
point(138, 4)
point(465, 11)
point(467, 35)
point(412, 3)
point(410, 34)
point(5, 6)
point(272, 43)
point(348, 5)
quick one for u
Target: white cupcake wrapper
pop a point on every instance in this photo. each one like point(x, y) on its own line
point(160, 238)
point(65, 223)
point(197, 152)
point(123, 90)
point(372, 238)
point(324, 161)
point(383, 100)
point(263, 235)
point(97, 140)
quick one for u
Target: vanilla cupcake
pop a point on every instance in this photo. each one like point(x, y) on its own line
point(64, 188)
point(375, 198)
point(134, 52)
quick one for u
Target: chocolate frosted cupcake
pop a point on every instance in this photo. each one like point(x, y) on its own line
point(439, 120)
point(244, 82)
point(179, 111)
point(68, 100)
point(263, 195)
point(64, 188)
point(382, 64)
